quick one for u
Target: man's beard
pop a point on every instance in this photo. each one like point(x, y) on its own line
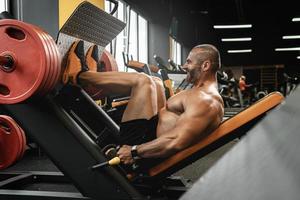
point(188, 77)
point(192, 76)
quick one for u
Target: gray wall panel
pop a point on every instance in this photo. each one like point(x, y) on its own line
point(43, 13)
point(158, 41)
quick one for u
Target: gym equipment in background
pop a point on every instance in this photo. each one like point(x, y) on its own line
point(75, 133)
point(178, 68)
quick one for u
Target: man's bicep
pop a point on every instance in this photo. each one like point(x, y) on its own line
point(192, 127)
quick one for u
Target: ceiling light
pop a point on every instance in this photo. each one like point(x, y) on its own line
point(291, 37)
point(236, 39)
point(288, 49)
point(240, 51)
point(298, 57)
point(232, 26)
point(296, 19)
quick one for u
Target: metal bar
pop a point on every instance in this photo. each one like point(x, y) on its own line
point(137, 38)
point(108, 122)
point(35, 195)
point(15, 179)
point(83, 124)
point(40, 176)
point(116, 5)
point(128, 30)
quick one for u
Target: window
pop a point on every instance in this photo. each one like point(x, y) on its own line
point(143, 39)
point(133, 40)
point(175, 51)
point(3, 5)
point(133, 36)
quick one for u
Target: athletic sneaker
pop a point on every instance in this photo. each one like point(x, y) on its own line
point(75, 63)
point(92, 58)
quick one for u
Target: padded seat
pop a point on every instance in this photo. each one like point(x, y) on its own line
point(228, 130)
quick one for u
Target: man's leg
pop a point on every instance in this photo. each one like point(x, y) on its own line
point(160, 90)
point(141, 87)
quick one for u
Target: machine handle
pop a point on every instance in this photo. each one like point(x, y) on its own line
point(115, 7)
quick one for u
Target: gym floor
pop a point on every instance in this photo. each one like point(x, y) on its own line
point(37, 161)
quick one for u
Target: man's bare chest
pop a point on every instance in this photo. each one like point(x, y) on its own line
point(175, 104)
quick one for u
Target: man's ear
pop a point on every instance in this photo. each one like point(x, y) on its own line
point(206, 65)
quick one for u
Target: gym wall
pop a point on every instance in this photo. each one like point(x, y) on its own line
point(158, 41)
point(43, 13)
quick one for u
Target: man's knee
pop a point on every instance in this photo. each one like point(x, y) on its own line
point(144, 80)
point(158, 82)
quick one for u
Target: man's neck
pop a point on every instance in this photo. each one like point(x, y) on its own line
point(206, 81)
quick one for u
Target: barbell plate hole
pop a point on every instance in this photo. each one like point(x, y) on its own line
point(4, 90)
point(15, 33)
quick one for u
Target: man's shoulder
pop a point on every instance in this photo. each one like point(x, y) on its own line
point(204, 102)
point(203, 97)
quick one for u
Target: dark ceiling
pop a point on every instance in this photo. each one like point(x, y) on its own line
point(270, 21)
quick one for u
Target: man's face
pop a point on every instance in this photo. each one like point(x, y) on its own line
point(192, 67)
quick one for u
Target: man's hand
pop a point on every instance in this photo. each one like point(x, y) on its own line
point(124, 154)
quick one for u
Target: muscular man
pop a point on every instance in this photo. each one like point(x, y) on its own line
point(151, 126)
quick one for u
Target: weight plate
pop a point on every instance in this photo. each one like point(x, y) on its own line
point(10, 143)
point(19, 131)
point(22, 134)
point(57, 61)
point(45, 88)
point(20, 41)
point(110, 65)
point(44, 85)
point(109, 61)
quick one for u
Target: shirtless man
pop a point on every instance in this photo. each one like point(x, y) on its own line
point(151, 126)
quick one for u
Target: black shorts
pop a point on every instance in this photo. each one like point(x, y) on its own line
point(137, 132)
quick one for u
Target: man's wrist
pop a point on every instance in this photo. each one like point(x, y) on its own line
point(134, 153)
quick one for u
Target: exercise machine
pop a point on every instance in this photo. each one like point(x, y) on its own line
point(76, 133)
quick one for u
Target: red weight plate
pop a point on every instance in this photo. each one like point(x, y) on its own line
point(109, 61)
point(9, 145)
point(43, 90)
point(55, 60)
point(23, 149)
point(24, 143)
point(53, 64)
point(45, 85)
point(56, 63)
point(17, 130)
point(110, 65)
point(20, 41)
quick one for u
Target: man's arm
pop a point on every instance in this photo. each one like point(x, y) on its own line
point(195, 122)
